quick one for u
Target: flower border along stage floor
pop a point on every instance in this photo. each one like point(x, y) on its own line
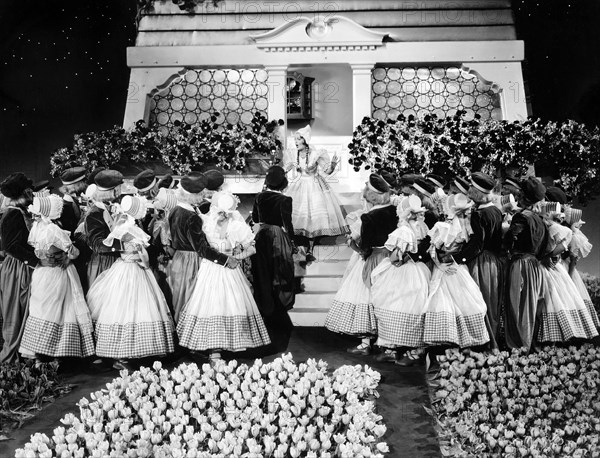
point(276, 409)
point(545, 404)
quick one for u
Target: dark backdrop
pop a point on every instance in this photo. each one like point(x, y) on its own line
point(63, 69)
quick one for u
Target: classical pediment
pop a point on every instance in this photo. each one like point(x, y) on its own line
point(336, 33)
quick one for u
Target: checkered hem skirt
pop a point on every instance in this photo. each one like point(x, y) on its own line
point(399, 329)
point(231, 333)
point(592, 310)
point(443, 328)
point(134, 340)
point(350, 318)
point(57, 340)
point(564, 325)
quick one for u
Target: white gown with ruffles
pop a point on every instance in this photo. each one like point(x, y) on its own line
point(565, 314)
point(399, 293)
point(316, 210)
point(221, 313)
point(455, 309)
point(59, 322)
point(352, 309)
point(131, 316)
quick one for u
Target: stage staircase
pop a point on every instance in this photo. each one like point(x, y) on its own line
point(322, 278)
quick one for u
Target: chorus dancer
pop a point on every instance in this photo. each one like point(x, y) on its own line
point(400, 288)
point(73, 186)
point(376, 225)
point(352, 309)
point(481, 253)
point(565, 315)
point(579, 248)
point(425, 190)
point(221, 314)
point(130, 314)
point(160, 232)
point(17, 267)
point(455, 310)
point(317, 211)
point(525, 241)
point(188, 241)
point(273, 263)
point(99, 222)
point(59, 323)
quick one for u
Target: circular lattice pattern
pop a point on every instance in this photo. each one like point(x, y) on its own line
point(232, 95)
point(442, 91)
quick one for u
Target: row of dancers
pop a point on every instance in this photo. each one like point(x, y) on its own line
point(129, 277)
point(434, 270)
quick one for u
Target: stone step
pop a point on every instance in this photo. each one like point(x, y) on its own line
point(314, 300)
point(329, 283)
point(308, 317)
point(338, 252)
point(327, 268)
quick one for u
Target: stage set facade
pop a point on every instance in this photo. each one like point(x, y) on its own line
point(327, 64)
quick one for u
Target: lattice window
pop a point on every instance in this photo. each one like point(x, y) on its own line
point(419, 91)
point(233, 95)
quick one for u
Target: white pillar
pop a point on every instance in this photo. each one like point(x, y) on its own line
point(278, 96)
point(361, 91)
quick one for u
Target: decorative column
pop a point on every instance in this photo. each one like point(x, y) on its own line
point(278, 96)
point(361, 91)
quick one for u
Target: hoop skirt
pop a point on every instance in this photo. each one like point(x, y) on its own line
point(455, 310)
point(352, 309)
point(317, 211)
point(131, 316)
point(565, 315)
point(399, 294)
point(221, 312)
point(59, 322)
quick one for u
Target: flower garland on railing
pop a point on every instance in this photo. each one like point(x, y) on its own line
point(455, 146)
point(185, 148)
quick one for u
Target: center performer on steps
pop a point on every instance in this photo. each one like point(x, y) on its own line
point(316, 211)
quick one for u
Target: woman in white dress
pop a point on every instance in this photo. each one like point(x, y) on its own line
point(579, 248)
point(130, 313)
point(221, 313)
point(565, 315)
point(400, 286)
point(59, 322)
point(317, 211)
point(455, 310)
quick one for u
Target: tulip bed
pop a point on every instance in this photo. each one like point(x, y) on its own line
point(517, 405)
point(279, 409)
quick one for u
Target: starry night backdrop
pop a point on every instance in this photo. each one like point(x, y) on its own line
point(63, 69)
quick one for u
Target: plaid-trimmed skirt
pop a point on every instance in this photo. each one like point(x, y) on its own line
point(130, 314)
point(316, 211)
point(221, 312)
point(99, 262)
point(59, 322)
point(352, 309)
point(399, 295)
point(582, 289)
point(455, 310)
point(565, 315)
